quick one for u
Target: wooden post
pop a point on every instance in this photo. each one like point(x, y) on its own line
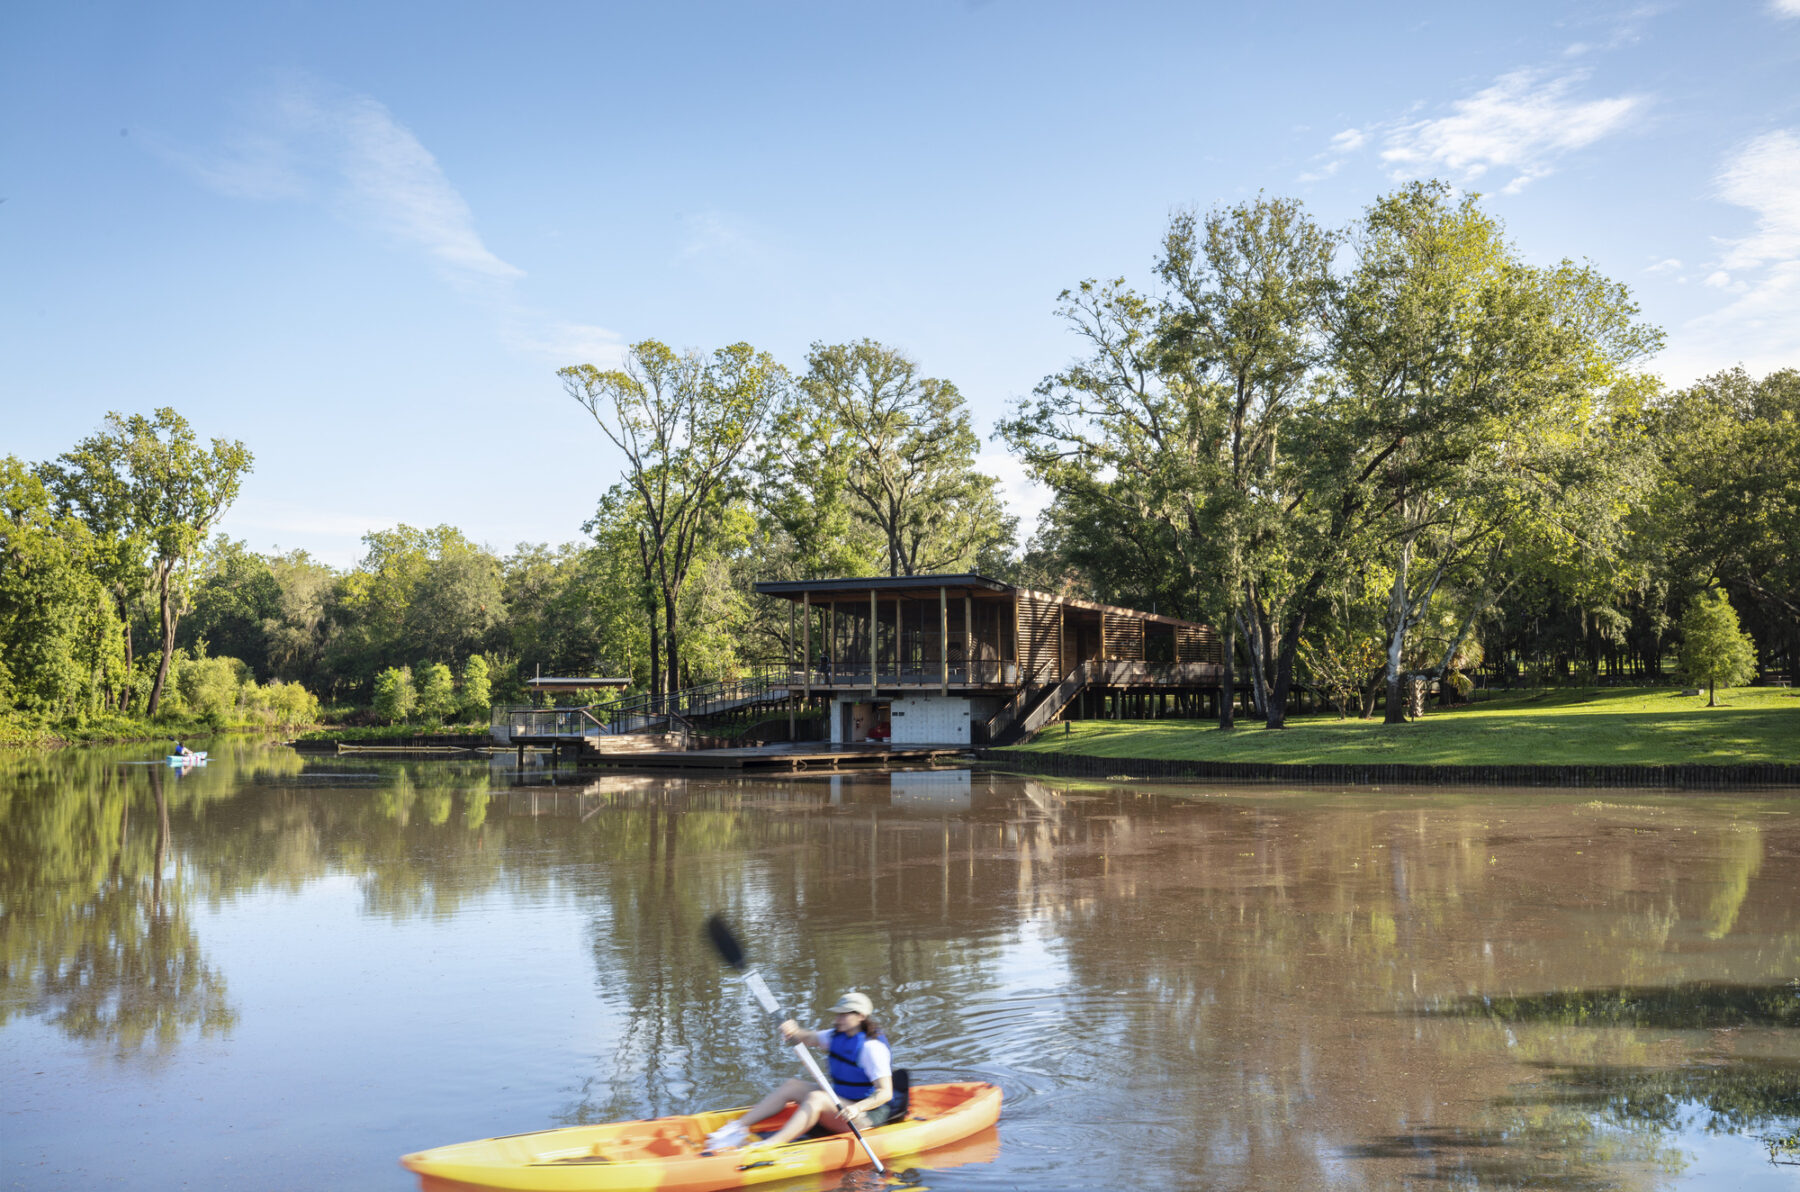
point(806, 641)
point(968, 638)
point(899, 634)
point(831, 644)
point(790, 680)
point(944, 639)
point(1018, 665)
point(873, 654)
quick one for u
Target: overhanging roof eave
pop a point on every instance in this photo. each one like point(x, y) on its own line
point(794, 589)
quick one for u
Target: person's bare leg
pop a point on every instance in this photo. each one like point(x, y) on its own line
point(805, 1117)
point(769, 1106)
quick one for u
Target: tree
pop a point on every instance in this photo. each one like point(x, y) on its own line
point(1726, 507)
point(1179, 414)
point(61, 641)
point(1713, 649)
point(148, 483)
point(236, 601)
point(437, 693)
point(416, 594)
point(684, 423)
point(297, 631)
point(477, 691)
point(1242, 331)
point(395, 696)
point(902, 447)
point(1469, 391)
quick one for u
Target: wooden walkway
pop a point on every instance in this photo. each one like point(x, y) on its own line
point(801, 755)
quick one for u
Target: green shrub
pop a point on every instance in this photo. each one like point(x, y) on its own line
point(437, 694)
point(477, 688)
point(395, 696)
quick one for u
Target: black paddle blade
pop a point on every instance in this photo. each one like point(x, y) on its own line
point(725, 943)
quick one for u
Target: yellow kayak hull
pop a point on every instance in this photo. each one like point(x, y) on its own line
point(665, 1153)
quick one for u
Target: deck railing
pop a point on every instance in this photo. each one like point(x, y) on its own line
point(979, 673)
point(638, 713)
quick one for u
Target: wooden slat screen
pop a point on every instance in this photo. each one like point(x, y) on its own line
point(1196, 643)
point(1124, 637)
point(1040, 640)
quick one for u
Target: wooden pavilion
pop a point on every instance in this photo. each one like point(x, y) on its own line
point(963, 658)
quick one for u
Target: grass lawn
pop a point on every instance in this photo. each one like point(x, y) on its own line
point(1564, 726)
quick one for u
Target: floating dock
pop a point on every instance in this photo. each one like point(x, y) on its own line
point(800, 755)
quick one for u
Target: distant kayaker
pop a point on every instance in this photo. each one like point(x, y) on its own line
point(180, 749)
point(861, 1072)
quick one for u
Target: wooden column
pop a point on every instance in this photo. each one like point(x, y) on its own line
point(968, 638)
point(899, 635)
point(944, 639)
point(1018, 667)
point(831, 644)
point(806, 640)
point(873, 654)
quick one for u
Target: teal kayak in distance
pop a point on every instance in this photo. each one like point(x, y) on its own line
point(187, 759)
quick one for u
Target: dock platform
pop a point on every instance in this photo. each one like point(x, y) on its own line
point(797, 755)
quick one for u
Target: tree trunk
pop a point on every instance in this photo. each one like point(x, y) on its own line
point(655, 655)
point(169, 618)
point(1252, 642)
point(670, 646)
point(1227, 713)
point(1284, 670)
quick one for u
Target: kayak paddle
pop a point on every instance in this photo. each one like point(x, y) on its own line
point(732, 953)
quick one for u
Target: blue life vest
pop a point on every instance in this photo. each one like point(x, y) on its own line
point(847, 1076)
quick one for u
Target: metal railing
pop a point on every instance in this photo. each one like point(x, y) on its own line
point(918, 673)
point(640, 713)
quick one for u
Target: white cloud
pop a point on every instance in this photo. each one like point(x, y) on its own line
point(1520, 124)
point(1348, 141)
point(1764, 176)
point(720, 236)
point(1759, 327)
point(1666, 265)
point(561, 344)
point(1785, 8)
point(310, 141)
point(395, 183)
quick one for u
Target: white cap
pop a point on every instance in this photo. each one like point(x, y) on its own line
point(854, 1003)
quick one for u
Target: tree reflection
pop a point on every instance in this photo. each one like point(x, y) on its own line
point(95, 933)
point(1692, 1006)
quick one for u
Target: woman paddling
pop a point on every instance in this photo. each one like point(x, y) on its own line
point(861, 1073)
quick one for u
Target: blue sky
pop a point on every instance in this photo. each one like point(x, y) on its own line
point(362, 237)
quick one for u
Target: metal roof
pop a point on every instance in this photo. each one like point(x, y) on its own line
point(881, 583)
point(794, 589)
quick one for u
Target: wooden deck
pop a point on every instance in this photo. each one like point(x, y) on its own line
point(801, 755)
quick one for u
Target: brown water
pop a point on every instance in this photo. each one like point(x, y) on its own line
point(283, 973)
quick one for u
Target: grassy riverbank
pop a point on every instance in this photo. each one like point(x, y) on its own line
point(1592, 726)
point(119, 730)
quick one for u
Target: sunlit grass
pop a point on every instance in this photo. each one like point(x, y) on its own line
point(1575, 726)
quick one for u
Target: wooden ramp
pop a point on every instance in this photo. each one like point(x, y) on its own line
point(801, 755)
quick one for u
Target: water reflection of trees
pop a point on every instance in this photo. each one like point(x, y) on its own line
point(95, 929)
point(1691, 1006)
point(829, 888)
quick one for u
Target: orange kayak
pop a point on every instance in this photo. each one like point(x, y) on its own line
point(665, 1153)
